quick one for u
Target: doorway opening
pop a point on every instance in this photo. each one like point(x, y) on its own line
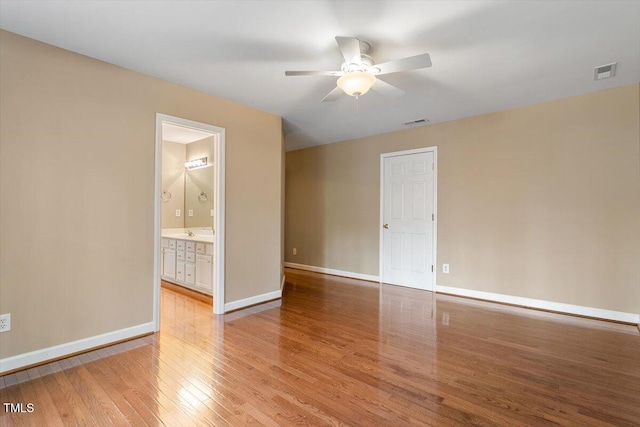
point(408, 220)
point(189, 209)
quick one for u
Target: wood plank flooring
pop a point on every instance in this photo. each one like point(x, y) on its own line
point(337, 352)
point(208, 299)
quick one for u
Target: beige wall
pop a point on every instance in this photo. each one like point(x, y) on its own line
point(77, 141)
point(540, 202)
point(173, 158)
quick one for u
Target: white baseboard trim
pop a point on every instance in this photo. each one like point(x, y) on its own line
point(39, 356)
point(242, 303)
point(333, 272)
point(600, 313)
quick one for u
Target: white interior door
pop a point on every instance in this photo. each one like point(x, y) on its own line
point(217, 268)
point(408, 213)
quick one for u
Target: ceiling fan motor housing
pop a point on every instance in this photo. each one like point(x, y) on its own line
point(365, 65)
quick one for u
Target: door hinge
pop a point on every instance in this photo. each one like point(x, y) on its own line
point(432, 167)
point(433, 217)
point(432, 268)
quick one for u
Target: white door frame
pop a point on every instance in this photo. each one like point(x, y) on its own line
point(219, 210)
point(383, 156)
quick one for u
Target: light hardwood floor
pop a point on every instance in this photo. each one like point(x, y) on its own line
point(338, 351)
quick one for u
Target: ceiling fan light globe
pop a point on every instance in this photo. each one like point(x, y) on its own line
point(356, 83)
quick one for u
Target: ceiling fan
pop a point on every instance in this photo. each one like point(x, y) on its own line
point(359, 70)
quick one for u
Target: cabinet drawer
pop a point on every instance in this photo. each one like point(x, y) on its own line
point(180, 271)
point(191, 257)
point(180, 245)
point(204, 248)
point(191, 246)
point(181, 256)
point(172, 244)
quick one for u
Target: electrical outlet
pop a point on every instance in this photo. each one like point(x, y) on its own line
point(295, 251)
point(178, 212)
point(445, 268)
point(190, 212)
point(5, 322)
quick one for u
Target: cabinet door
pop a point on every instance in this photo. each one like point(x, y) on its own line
point(169, 263)
point(180, 271)
point(204, 272)
point(190, 274)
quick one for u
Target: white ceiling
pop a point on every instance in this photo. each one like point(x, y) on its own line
point(487, 55)
point(181, 134)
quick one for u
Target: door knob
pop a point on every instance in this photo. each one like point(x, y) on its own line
point(386, 226)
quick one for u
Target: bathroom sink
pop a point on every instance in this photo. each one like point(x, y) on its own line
point(180, 236)
point(185, 236)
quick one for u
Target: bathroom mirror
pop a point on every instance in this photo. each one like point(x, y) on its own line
point(187, 194)
point(198, 198)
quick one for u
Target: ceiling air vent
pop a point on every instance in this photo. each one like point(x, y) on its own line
point(604, 71)
point(416, 122)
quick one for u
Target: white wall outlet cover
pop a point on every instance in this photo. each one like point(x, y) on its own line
point(190, 212)
point(5, 322)
point(295, 251)
point(178, 212)
point(211, 212)
point(445, 268)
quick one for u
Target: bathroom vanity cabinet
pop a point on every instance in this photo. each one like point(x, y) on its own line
point(187, 263)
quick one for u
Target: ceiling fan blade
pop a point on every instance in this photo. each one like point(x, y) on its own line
point(350, 48)
point(384, 88)
point(405, 64)
point(333, 95)
point(313, 73)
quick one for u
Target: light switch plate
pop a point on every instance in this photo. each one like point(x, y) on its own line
point(190, 212)
point(178, 213)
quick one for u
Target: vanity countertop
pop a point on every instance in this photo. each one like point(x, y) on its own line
point(206, 238)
